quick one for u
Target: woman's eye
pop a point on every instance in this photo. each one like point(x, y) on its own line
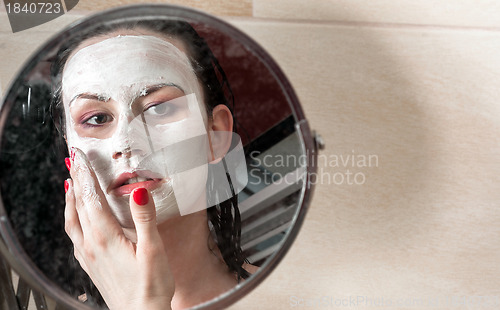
point(164, 112)
point(98, 120)
point(159, 109)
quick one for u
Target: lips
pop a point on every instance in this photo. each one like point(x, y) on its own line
point(128, 181)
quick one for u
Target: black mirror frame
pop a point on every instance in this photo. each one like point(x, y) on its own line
point(14, 254)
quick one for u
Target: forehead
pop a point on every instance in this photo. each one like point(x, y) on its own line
point(129, 32)
point(107, 63)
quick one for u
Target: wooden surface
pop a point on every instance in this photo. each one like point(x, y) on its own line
point(416, 86)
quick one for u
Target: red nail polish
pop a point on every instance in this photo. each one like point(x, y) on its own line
point(67, 161)
point(73, 154)
point(66, 186)
point(140, 196)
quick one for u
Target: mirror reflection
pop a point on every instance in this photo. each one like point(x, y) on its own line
point(151, 162)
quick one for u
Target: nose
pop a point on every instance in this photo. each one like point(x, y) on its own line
point(125, 153)
point(130, 138)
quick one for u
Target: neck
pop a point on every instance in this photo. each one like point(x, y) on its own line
point(199, 272)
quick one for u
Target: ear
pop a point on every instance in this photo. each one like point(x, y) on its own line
point(220, 132)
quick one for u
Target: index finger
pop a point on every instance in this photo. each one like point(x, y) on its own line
point(90, 197)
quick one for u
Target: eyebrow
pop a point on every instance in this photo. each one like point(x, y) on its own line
point(153, 88)
point(143, 92)
point(91, 96)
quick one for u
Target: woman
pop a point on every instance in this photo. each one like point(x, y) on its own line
point(129, 97)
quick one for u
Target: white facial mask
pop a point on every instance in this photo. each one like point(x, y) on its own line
point(119, 69)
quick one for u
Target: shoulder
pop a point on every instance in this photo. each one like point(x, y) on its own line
point(250, 268)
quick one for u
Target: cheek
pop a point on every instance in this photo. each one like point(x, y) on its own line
point(181, 149)
point(98, 154)
point(178, 132)
point(178, 146)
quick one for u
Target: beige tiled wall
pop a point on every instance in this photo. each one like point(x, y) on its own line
point(414, 83)
point(479, 13)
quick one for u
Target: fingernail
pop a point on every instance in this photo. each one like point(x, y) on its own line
point(67, 161)
point(66, 186)
point(72, 153)
point(140, 196)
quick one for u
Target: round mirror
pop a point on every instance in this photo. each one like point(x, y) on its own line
point(150, 154)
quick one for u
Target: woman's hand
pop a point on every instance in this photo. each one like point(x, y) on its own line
point(128, 275)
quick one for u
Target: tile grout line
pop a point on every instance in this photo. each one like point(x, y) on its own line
point(362, 24)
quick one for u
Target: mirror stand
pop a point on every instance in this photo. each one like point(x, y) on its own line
point(14, 296)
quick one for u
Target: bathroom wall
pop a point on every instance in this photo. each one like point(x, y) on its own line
point(413, 86)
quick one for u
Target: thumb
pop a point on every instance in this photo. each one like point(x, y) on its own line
point(143, 212)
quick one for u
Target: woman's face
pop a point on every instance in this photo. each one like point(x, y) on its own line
point(134, 106)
